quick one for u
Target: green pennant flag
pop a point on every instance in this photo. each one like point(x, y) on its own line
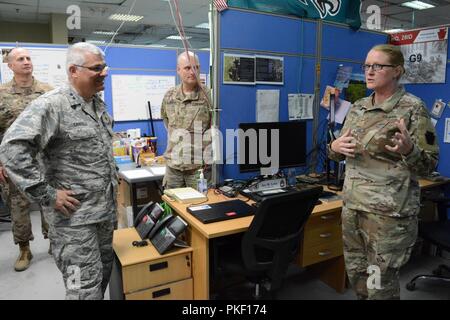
point(343, 11)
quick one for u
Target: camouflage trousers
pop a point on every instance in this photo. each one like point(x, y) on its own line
point(84, 255)
point(174, 178)
point(19, 207)
point(375, 248)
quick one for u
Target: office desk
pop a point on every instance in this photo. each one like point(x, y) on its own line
point(132, 181)
point(330, 268)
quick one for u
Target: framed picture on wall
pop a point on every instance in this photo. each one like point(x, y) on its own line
point(269, 70)
point(238, 69)
point(438, 108)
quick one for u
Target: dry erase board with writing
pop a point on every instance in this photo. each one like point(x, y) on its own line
point(130, 94)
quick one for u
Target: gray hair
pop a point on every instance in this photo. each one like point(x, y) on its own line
point(76, 53)
point(190, 54)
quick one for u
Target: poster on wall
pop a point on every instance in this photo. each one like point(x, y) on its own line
point(425, 53)
point(269, 70)
point(238, 69)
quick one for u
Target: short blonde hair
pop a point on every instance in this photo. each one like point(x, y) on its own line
point(394, 53)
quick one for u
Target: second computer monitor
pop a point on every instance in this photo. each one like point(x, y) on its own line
point(292, 144)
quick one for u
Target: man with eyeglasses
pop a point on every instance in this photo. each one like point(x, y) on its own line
point(387, 140)
point(14, 97)
point(71, 127)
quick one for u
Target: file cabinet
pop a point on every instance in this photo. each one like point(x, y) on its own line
point(322, 239)
point(141, 273)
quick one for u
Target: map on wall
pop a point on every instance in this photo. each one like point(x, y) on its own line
point(131, 94)
point(49, 65)
point(425, 53)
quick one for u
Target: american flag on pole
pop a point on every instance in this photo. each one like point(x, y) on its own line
point(220, 5)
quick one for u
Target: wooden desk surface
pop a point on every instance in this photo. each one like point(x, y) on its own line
point(227, 227)
point(223, 228)
point(129, 255)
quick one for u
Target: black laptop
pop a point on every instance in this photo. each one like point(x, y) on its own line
point(220, 211)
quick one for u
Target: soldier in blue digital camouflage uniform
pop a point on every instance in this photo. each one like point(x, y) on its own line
point(387, 141)
point(77, 191)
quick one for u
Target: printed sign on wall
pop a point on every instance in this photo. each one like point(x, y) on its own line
point(425, 53)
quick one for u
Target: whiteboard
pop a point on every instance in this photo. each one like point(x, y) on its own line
point(130, 94)
point(49, 65)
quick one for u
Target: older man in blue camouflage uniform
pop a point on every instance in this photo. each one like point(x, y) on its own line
point(186, 111)
point(71, 127)
point(388, 140)
point(14, 97)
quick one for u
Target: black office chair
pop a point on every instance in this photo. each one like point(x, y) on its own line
point(437, 233)
point(271, 242)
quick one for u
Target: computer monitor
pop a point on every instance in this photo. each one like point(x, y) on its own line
point(292, 145)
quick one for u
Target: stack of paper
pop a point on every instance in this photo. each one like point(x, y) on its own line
point(185, 195)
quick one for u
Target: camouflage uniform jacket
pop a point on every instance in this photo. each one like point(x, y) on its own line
point(77, 149)
point(380, 181)
point(14, 99)
point(183, 111)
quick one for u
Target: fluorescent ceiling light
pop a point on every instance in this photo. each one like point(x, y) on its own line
point(174, 37)
point(105, 33)
point(125, 17)
point(419, 5)
point(393, 30)
point(96, 41)
point(204, 25)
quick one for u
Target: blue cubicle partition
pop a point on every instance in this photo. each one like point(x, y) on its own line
point(296, 40)
point(137, 60)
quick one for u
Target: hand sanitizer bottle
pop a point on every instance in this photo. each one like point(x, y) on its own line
point(202, 183)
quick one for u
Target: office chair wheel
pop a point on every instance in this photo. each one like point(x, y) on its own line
point(410, 286)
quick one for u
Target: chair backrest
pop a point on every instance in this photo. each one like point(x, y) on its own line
point(272, 240)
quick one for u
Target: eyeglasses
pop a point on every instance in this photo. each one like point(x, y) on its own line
point(97, 69)
point(375, 66)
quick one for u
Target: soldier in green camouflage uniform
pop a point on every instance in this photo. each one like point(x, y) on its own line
point(71, 127)
point(186, 113)
point(387, 141)
point(14, 97)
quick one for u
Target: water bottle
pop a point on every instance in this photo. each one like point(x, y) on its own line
point(291, 178)
point(202, 183)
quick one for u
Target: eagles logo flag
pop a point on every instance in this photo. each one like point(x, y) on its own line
point(343, 11)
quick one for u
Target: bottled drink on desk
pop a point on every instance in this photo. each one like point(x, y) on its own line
point(291, 177)
point(202, 183)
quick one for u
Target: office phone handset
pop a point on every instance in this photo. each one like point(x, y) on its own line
point(161, 228)
point(165, 237)
point(147, 218)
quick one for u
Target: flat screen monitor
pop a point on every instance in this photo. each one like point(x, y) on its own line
point(292, 145)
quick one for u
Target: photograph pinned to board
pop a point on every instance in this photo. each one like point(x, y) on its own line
point(447, 130)
point(438, 108)
point(269, 70)
point(238, 69)
point(300, 106)
point(343, 76)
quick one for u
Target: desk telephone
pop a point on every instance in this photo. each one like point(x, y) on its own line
point(161, 228)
